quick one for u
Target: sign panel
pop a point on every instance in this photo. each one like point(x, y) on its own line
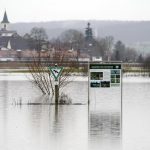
point(105, 75)
point(56, 72)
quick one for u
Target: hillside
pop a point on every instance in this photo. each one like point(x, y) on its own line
point(127, 31)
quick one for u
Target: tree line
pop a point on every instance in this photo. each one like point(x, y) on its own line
point(106, 47)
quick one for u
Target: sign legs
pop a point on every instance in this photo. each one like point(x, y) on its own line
point(56, 94)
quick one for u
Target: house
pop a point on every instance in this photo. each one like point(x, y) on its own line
point(10, 39)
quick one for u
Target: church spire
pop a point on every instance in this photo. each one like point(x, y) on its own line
point(88, 33)
point(5, 18)
point(5, 22)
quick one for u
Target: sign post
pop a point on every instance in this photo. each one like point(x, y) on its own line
point(56, 72)
point(104, 81)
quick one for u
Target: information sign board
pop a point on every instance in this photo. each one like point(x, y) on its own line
point(104, 75)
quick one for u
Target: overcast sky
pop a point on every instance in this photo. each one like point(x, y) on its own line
point(49, 10)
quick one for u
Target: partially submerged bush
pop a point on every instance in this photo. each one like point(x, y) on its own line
point(64, 99)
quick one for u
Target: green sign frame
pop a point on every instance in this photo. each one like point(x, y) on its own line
point(56, 72)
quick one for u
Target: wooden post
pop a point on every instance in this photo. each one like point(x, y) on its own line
point(56, 93)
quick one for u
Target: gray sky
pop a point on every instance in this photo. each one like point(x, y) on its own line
point(49, 10)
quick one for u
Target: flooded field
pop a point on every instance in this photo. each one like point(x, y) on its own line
point(101, 125)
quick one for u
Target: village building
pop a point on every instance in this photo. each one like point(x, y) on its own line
point(10, 39)
point(14, 47)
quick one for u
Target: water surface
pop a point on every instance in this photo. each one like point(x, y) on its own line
point(75, 127)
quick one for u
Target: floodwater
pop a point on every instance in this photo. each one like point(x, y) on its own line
point(101, 125)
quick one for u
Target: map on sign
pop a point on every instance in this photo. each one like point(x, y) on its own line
point(56, 72)
point(105, 75)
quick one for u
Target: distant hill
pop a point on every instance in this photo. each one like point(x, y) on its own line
point(129, 32)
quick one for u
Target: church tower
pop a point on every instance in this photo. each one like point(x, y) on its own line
point(5, 22)
point(88, 33)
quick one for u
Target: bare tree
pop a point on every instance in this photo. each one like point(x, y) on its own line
point(130, 55)
point(109, 40)
point(39, 35)
point(119, 51)
point(74, 39)
point(42, 77)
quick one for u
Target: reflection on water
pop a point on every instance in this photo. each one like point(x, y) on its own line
point(105, 125)
point(105, 130)
point(45, 127)
point(57, 128)
point(74, 127)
